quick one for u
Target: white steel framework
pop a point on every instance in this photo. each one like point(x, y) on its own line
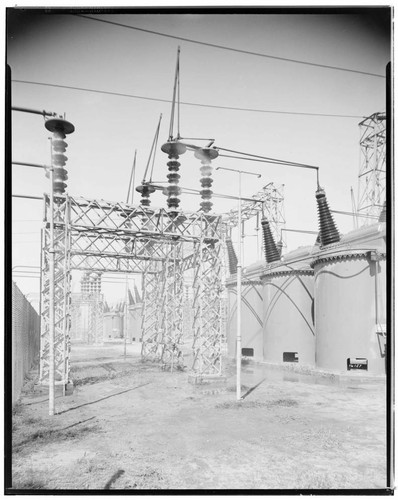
point(372, 170)
point(87, 311)
point(103, 236)
point(269, 202)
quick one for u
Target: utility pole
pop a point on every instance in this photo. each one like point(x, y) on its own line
point(239, 284)
point(57, 175)
point(126, 296)
point(51, 337)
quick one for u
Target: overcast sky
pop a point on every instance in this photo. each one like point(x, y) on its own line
point(72, 51)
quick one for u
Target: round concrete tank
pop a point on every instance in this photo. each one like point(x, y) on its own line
point(288, 291)
point(113, 326)
point(134, 331)
point(251, 313)
point(350, 303)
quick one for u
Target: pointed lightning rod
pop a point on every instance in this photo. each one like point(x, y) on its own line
point(145, 188)
point(132, 176)
point(175, 100)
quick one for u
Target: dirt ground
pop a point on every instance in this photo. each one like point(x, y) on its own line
point(130, 425)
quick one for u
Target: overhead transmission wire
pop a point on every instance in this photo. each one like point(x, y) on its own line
point(223, 47)
point(264, 159)
point(196, 104)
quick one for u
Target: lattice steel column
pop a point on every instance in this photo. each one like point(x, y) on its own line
point(223, 279)
point(152, 287)
point(98, 314)
point(172, 356)
point(372, 171)
point(207, 310)
point(62, 299)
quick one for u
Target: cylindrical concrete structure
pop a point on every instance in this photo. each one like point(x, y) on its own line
point(350, 302)
point(134, 321)
point(288, 318)
point(252, 312)
point(113, 326)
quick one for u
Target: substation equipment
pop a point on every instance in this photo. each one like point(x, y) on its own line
point(87, 310)
point(372, 170)
point(99, 236)
point(323, 306)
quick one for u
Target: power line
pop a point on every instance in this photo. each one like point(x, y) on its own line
point(223, 47)
point(96, 91)
point(267, 158)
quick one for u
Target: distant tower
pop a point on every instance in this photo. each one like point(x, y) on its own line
point(372, 170)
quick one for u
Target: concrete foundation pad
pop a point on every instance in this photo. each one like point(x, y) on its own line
point(311, 370)
point(69, 387)
point(214, 380)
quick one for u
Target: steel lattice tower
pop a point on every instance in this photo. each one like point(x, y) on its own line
point(100, 236)
point(372, 170)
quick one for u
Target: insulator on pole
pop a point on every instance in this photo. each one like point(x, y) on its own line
point(279, 246)
point(270, 249)
point(174, 150)
point(232, 259)
point(60, 128)
point(145, 191)
point(206, 155)
point(327, 228)
point(383, 213)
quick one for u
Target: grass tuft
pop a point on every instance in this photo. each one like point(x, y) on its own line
point(29, 483)
point(50, 435)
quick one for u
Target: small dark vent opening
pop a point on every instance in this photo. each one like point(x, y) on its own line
point(290, 357)
point(247, 351)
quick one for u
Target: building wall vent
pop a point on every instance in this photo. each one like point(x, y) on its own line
point(290, 357)
point(247, 351)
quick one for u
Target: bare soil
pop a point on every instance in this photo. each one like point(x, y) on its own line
point(131, 426)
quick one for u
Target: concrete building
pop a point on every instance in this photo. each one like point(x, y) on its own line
point(350, 302)
point(321, 306)
point(252, 313)
point(288, 299)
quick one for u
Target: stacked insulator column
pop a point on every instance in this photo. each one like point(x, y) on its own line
point(270, 249)
point(205, 155)
point(145, 191)
point(327, 228)
point(60, 128)
point(279, 246)
point(174, 150)
point(232, 259)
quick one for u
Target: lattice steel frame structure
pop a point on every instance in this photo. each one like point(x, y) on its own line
point(103, 236)
point(94, 303)
point(269, 202)
point(372, 170)
point(207, 302)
